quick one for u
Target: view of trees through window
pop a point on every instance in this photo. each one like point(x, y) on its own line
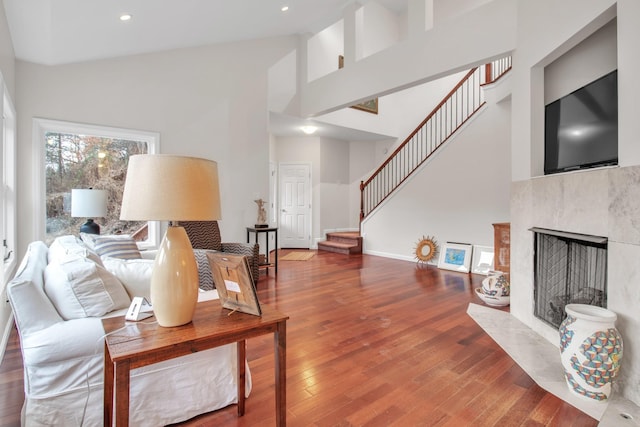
point(82, 161)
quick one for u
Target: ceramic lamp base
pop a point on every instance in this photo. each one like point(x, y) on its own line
point(174, 281)
point(90, 227)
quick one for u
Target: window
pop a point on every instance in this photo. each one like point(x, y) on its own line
point(77, 156)
point(8, 213)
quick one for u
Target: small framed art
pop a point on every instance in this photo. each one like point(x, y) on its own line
point(456, 257)
point(482, 260)
point(232, 278)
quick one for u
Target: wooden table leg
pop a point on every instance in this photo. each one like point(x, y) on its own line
point(122, 376)
point(280, 344)
point(108, 388)
point(241, 376)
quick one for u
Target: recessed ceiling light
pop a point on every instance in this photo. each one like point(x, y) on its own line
point(308, 129)
point(284, 8)
point(125, 17)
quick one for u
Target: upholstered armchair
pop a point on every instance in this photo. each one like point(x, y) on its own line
point(206, 235)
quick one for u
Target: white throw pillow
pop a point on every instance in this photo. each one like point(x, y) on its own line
point(66, 247)
point(134, 274)
point(90, 239)
point(116, 246)
point(80, 288)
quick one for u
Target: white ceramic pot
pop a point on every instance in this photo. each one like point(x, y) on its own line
point(496, 286)
point(590, 350)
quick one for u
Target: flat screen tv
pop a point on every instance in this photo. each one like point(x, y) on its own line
point(581, 129)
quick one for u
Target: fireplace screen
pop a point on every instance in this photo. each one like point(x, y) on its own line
point(569, 268)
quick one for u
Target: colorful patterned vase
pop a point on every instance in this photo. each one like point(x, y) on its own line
point(590, 350)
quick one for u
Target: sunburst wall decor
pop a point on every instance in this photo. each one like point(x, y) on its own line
point(426, 249)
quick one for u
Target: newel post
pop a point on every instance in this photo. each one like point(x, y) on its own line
point(361, 200)
point(487, 73)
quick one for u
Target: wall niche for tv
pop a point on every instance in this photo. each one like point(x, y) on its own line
point(581, 128)
point(581, 105)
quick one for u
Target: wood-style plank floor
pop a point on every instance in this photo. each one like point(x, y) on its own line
point(371, 342)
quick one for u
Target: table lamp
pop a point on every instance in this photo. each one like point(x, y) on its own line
point(89, 203)
point(162, 187)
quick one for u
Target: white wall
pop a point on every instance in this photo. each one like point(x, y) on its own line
point(334, 185)
point(209, 102)
point(444, 10)
point(323, 50)
point(283, 84)
point(379, 29)
point(455, 197)
point(588, 61)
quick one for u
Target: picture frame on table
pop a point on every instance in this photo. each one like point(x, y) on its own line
point(232, 278)
point(482, 259)
point(456, 257)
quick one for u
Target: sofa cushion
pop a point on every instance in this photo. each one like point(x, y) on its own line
point(123, 247)
point(65, 247)
point(80, 288)
point(134, 274)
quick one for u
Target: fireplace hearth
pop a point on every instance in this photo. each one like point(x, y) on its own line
point(569, 268)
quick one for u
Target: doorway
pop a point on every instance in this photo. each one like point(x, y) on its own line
point(295, 205)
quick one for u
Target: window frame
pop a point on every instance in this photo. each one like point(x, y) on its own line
point(42, 126)
point(9, 212)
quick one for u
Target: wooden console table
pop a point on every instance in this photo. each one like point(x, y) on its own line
point(267, 230)
point(211, 327)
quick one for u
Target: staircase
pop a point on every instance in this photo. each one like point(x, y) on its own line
point(464, 100)
point(346, 242)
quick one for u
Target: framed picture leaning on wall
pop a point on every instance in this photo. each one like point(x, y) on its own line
point(456, 257)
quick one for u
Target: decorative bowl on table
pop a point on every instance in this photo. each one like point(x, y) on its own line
point(493, 300)
point(496, 285)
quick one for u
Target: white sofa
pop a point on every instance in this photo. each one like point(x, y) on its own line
point(58, 297)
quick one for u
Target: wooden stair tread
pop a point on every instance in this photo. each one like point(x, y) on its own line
point(337, 244)
point(345, 242)
point(349, 234)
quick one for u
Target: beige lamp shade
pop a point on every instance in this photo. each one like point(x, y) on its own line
point(162, 187)
point(172, 188)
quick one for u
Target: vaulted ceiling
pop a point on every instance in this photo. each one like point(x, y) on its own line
point(64, 31)
point(54, 32)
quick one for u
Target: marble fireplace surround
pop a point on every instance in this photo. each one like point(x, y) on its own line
point(601, 202)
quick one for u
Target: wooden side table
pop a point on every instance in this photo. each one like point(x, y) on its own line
point(211, 327)
point(267, 230)
point(502, 247)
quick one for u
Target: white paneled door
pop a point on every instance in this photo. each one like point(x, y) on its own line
point(295, 205)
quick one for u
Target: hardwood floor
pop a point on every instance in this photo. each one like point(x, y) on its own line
point(371, 342)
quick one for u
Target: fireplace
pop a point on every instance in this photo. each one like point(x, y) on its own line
point(569, 268)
